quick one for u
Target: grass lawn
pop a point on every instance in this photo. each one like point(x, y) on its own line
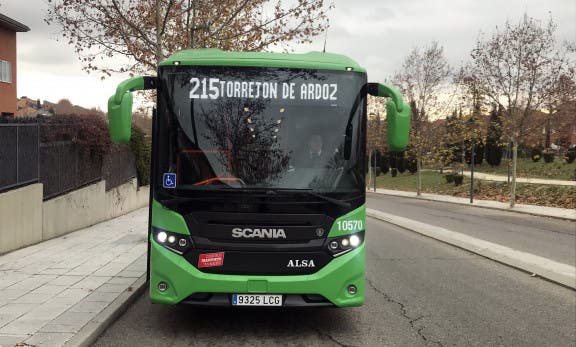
point(435, 183)
point(559, 169)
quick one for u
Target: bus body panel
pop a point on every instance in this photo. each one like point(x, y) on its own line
point(183, 279)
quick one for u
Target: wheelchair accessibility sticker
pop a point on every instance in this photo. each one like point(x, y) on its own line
point(169, 180)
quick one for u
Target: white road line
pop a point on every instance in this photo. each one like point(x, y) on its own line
point(558, 272)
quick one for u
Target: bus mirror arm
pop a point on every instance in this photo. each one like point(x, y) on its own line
point(120, 107)
point(398, 115)
point(348, 141)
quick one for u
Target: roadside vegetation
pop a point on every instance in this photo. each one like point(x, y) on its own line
point(557, 170)
point(436, 183)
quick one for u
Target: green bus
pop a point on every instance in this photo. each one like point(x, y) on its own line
point(258, 176)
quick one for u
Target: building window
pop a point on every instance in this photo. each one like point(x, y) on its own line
point(5, 71)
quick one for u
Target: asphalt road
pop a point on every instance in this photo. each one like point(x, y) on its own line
point(420, 292)
point(551, 238)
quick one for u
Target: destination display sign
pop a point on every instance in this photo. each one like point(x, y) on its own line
point(216, 88)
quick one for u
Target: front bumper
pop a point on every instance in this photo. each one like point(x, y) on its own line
point(184, 281)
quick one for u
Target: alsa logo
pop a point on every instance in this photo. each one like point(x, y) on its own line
point(301, 263)
point(261, 233)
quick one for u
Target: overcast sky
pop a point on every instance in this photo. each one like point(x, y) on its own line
point(376, 33)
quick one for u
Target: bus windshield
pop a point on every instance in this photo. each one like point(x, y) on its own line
point(261, 128)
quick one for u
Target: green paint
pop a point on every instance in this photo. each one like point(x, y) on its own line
point(398, 115)
point(352, 222)
point(216, 57)
point(120, 109)
point(168, 220)
point(184, 279)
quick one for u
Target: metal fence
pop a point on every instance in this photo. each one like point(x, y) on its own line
point(19, 155)
point(64, 167)
point(118, 166)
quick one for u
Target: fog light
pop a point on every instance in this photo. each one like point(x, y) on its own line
point(345, 242)
point(162, 286)
point(171, 239)
point(162, 236)
point(182, 242)
point(352, 290)
point(333, 244)
point(354, 240)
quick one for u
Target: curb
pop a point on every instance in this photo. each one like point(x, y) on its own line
point(559, 273)
point(479, 203)
point(95, 327)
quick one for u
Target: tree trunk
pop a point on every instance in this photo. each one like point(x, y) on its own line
point(547, 131)
point(514, 161)
point(158, 53)
point(418, 178)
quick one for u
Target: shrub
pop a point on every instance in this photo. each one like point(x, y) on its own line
point(384, 164)
point(88, 132)
point(412, 165)
point(402, 164)
point(458, 179)
point(536, 154)
point(570, 155)
point(140, 147)
point(394, 172)
point(449, 177)
point(548, 155)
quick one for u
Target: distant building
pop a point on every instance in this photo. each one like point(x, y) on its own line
point(8, 29)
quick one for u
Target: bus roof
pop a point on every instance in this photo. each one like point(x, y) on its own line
point(217, 57)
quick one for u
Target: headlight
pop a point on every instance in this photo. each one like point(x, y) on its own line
point(344, 244)
point(177, 243)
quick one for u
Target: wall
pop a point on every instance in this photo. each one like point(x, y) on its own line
point(8, 53)
point(20, 217)
point(25, 219)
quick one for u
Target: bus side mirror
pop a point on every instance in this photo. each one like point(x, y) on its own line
point(398, 126)
point(120, 118)
point(120, 107)
point(398, 115)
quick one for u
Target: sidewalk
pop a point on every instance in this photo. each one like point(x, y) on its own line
point(535, 210)
point(498, 178)
point(60, 291)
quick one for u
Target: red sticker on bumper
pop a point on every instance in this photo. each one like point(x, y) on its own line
point(211, 259)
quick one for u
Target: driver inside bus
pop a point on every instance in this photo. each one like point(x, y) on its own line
point(314, 155)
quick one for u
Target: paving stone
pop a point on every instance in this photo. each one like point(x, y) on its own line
point(60, 328)
point(74, 293)
point(112, 288)
point(48, 310)
point(33, 298)
point(6, 318)
point(91, 282)
point(89, 306)
point(74, 318)
point(11, 340)
point(49, 339)
point(66, 280)
point(101, 296)
point(49, 289)
point(23, 326)
point(17, 309)
point(122, 280)
point(12, 294)
point(133, 274)
point(56, 271)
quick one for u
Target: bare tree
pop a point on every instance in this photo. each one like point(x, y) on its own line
point(422, 79)
point(147, 31)
point(518, 67)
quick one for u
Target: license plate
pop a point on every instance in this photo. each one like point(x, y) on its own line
point(256, 300)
